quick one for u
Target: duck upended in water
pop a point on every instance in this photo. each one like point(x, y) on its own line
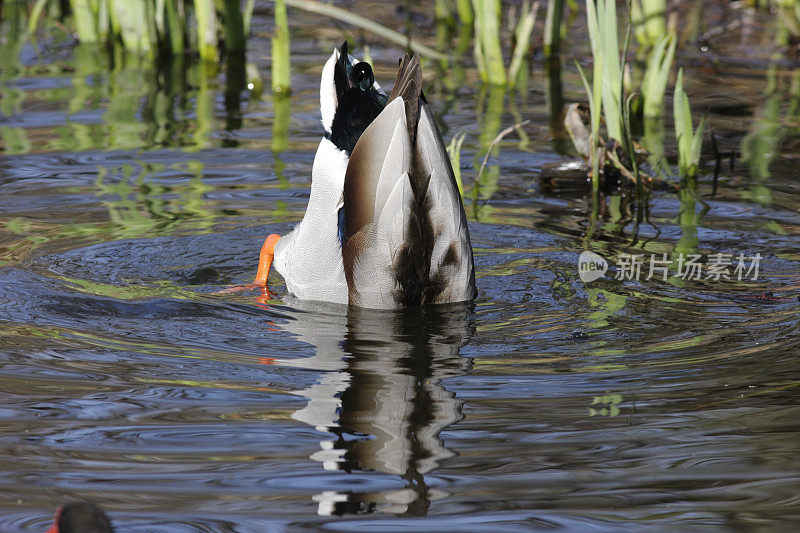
point(385, 227)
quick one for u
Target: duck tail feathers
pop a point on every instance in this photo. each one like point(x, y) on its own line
point(408, 86)
point(406, 240)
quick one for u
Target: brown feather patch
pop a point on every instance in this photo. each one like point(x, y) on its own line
point(408, 86)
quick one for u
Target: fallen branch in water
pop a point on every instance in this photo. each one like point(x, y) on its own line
point(495, 141)
point(367, 24)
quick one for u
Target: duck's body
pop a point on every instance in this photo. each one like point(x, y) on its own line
point(385, 227)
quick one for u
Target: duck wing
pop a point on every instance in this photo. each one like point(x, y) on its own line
point(448, 250)
point(405, 240)
point(378, 211)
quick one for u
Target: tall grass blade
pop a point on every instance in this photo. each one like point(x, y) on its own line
point(175, 21)
point(454, 151)
point(595, 94)
point(206, 30)
point(552, 27)
point(612, 72)
point(465, 14)
point(523, 33)
point(607, 72)
point(487, 37)
point(36, 14)
point(247, 17)
point(84, 17)
point(649, 21)
point(281, 67)
point(690, 142)
point(656, 77)
point(234, 29)
point(135, 25)
point(595, 102)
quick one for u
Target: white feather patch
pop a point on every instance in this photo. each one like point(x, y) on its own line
point(327, 92)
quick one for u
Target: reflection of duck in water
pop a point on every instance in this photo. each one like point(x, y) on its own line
point(382, 397)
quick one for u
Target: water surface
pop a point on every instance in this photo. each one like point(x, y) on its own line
point(131, 195)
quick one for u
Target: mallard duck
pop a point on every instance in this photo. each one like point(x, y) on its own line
point(385, 227)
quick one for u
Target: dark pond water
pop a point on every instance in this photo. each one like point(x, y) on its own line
point(130, 196)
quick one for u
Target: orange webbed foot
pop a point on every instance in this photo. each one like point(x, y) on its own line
point(265, 259)
point(264, 263)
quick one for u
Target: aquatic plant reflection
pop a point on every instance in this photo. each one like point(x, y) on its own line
point(381, 400)
point(491, 104)
point(12, 140)
point(554, 95)
point(279, 143)
point(688, 218)
point(773, 125)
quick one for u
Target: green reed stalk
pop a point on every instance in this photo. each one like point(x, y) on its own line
point(281, 68)
point(206, 30)
point(134, 24)
point(175, 22)
point(688, 217)
point(552, 28)
point(36, 14)
point(652, 141)
point(649, 21)
point(602, 23)
point(464, 10)
point(444, 17)
point(789, 12)
point(594, 92)
point(454, 151)
point(690, 141)
point(235, 37)
point(488, 52)
point(247, 17)
point(84, 16)
point(659, 67)
point(522, 34)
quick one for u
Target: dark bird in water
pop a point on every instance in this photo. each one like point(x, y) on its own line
point(80, 517)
